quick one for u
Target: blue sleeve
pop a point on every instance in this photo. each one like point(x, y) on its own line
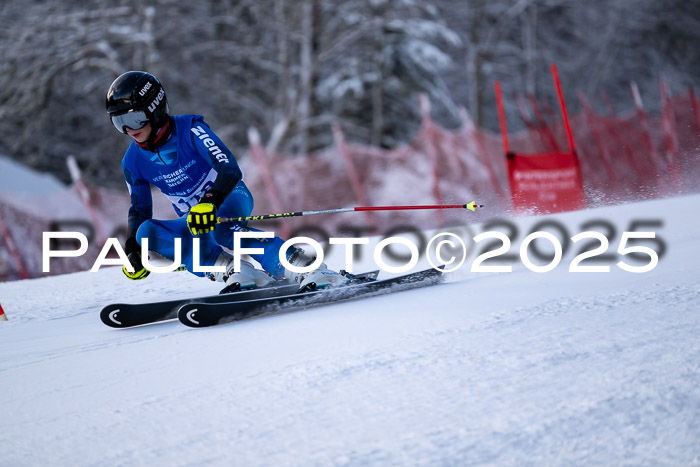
point(141, 201)
point(210, 147)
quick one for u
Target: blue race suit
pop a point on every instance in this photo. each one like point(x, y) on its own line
point(193, 161)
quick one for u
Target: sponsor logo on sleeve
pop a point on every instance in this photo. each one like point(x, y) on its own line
point(209, 143)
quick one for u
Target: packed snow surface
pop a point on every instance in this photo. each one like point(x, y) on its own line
point(512, 368)
point(16, 178)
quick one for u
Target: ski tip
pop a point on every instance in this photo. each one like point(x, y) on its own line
point(188, 317)
point(110, 316)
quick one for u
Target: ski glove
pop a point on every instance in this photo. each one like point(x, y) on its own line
point(202, 218)
point(132, 250)
point(140, 272)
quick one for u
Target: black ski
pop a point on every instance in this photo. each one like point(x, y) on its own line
point(200, 314)
point(126, 315)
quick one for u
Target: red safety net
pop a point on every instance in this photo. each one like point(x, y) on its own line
point(622, 157)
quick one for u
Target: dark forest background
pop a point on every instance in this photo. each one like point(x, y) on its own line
point(292, 68)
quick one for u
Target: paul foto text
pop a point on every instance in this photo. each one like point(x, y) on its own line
point(638, 251)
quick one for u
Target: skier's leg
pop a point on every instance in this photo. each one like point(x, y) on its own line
point(161, 236)
point(269, 260)
point(240, 204)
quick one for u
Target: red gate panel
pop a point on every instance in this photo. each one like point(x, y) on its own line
point(546, 183)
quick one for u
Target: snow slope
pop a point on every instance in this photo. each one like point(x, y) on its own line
point(515, 368)
point(17, 178)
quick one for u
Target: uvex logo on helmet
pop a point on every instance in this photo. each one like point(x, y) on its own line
point(143, 90)
point(152, 107)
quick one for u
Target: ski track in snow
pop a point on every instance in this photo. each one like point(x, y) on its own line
point(503, 369)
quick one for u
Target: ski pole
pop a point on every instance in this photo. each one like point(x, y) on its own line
point(471, 206)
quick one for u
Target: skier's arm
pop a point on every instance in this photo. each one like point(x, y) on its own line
point(202, 217)
point(140, 211)
point(210, 147)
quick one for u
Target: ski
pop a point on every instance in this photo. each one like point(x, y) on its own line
point(201, 314)
point(126, 315)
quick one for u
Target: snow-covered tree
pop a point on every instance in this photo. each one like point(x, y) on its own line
point(384, 53)
point(292, 68)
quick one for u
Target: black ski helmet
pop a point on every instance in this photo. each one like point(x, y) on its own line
point(138, 91)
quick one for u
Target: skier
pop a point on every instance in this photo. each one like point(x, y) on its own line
point(191, 166)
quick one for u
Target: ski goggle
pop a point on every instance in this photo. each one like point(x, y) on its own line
point(134, 119)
